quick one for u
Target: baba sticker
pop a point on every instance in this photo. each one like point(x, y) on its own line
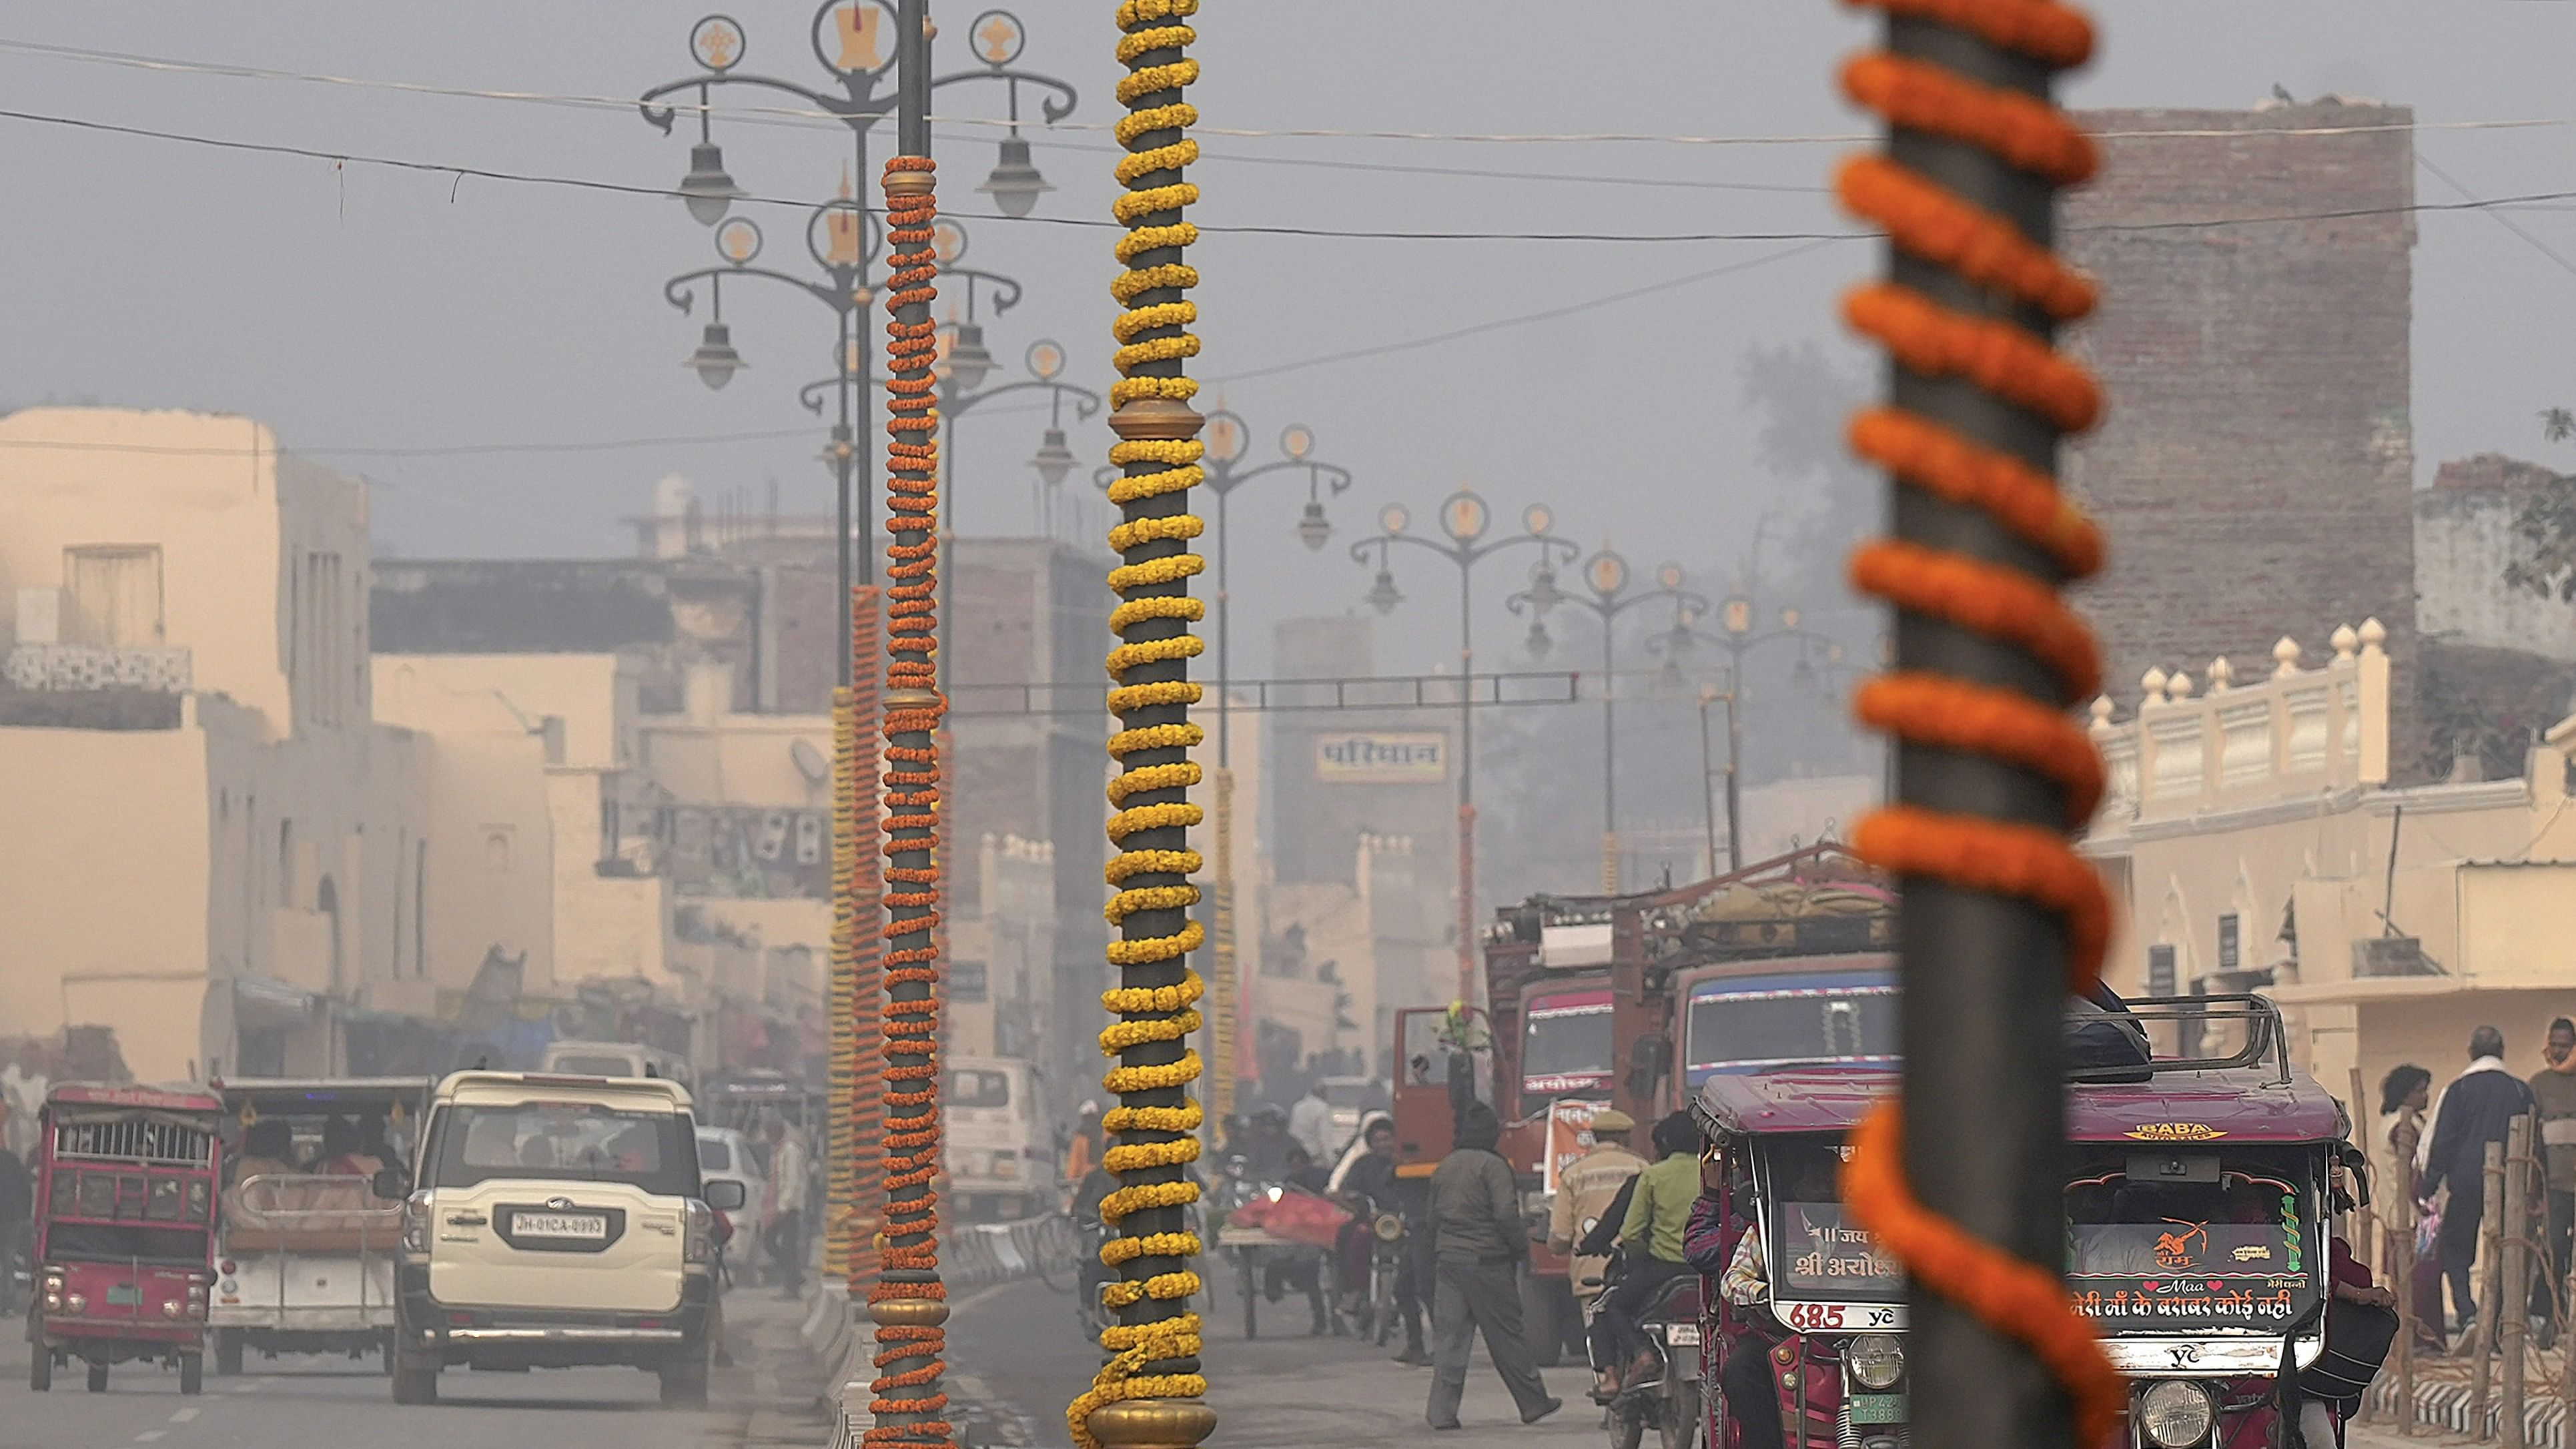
point(2175, 1132)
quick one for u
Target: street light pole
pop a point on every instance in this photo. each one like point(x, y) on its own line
point(1463, 517)
point(1607, 573)
point(857, 43)
point(1738, 639)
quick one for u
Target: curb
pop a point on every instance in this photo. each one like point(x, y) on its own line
point(2446, 1406)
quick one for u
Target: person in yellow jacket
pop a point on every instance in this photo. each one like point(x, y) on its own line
point(1585, 1192)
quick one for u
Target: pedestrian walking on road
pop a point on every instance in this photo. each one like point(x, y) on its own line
point(2474, 1110)
point(783, 1226)
point(1479, 1247)
point(1311, 1123)
point(2553, 1093)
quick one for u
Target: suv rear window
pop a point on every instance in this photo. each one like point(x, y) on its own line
point(580, 1066)
point(655, 1151)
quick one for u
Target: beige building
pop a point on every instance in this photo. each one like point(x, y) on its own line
point(210, 847)
point(2255, 844)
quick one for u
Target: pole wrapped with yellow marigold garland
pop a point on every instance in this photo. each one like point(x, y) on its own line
point(1149, 1391)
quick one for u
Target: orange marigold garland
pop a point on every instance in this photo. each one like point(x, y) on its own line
point(906, 1301)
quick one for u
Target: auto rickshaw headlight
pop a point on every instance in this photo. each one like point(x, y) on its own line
point(1876, 1360)
point(2176, 1414)
point(1388, 1227)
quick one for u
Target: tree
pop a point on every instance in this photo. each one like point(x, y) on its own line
point(2547, 522)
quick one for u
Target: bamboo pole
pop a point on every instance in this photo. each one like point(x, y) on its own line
point(2515, 1270)
point(2481, 1344)
point(2401, 1257)
point(2365, 1240)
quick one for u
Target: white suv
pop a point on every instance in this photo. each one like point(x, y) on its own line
point(552, 1221)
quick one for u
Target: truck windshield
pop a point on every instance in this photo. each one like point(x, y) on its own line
point(119, 1243)
point(979, 1087)
point(1732, 1028)
point(1818, 1254)
point(554, 1141)
point(2224, 1240)
point(1565, 1042)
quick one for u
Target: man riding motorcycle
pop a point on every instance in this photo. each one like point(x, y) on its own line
point(1650, 1240)
point(1366, 1184)
point(1587, 1193)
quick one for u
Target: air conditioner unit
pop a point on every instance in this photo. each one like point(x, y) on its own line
point(2391, 956)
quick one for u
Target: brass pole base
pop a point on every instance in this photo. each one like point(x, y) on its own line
point(910, 183)
point(909, 1312)
point(1139, 419)
point(1152, 1424)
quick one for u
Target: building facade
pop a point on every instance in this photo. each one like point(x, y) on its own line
point(2256, 461)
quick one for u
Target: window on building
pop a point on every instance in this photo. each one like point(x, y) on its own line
point(115, 594)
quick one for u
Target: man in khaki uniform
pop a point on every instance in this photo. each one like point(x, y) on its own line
point(1585, 1192)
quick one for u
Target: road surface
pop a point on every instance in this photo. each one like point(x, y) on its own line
point(308, 1402)
point(1016, 1346)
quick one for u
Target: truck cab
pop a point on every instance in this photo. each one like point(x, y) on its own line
point(554, 1220)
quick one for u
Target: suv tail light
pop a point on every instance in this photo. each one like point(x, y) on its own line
point(699, 1242)
point(415, 1222)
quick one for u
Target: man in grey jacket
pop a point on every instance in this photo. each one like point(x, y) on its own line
point(1478, 1245)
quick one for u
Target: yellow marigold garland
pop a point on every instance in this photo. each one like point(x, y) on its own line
point(1160, 457)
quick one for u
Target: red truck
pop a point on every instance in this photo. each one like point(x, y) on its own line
point(1636, 1000)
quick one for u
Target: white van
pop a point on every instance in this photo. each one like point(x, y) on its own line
point(1001, 1140)
point(555, 1220)
point(617, 1059)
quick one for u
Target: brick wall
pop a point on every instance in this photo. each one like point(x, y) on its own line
point(2255, 467)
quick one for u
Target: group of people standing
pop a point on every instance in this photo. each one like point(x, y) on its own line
point(2440, 1144)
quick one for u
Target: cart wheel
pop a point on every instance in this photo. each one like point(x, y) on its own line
point(40, 1367)
point(192, 1373)
point(98, 1378)
point(228, 1352)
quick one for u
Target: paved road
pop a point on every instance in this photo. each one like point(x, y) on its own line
point(301, 1402)
point(1017, 1346)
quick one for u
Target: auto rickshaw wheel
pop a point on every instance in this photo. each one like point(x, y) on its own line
point(228, 1353)
point(40, 1367)
point(98, 1378)
point(192, 1373)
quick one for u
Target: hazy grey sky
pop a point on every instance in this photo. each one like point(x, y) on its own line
point(368, 308)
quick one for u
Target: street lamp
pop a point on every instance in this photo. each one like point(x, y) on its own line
point(854, 42)
point(1463, 518)
point(1738, 637)
point(1607, 574)
point(715, 360)
point(1223, 440)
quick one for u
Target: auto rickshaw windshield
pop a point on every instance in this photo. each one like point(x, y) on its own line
point(2159, 1242)
point(1818, 1252)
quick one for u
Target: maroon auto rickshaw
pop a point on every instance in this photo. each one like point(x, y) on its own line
point(124, 1232)
point(1824, 1310)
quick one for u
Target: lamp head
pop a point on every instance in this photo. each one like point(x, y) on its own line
point(715, 361)
point(1015, 184)
point(707, 190)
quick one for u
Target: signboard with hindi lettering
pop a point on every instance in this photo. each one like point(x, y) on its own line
point(1368, 757)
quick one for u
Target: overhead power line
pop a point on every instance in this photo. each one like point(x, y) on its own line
point(808, 114)
point(460, 171)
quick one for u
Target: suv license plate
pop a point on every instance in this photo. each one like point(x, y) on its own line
point(589, 1227)
point(1682, 1335)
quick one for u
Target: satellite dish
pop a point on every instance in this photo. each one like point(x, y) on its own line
point(809, 761)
